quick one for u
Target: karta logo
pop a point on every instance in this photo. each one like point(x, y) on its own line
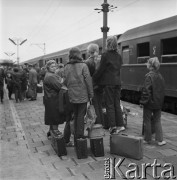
point(134, 171)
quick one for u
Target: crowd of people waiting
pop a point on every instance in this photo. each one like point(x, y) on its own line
point(69, 88)
point(21, 81)
point(94, 80)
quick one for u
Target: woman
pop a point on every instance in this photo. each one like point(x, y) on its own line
point(108, 75)
point(93, 63)
point(80, 89)
point(152, 99)
point(52, 86)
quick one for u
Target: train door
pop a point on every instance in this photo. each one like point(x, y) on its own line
point(126, 55)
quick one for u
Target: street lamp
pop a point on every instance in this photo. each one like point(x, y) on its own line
point(17, 42)
point(9, 54)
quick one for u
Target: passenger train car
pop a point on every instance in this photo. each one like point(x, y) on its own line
point(139, 44)
point(136, 47)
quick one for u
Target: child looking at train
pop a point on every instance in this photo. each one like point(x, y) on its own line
point(152, 99)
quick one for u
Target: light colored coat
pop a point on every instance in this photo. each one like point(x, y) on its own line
point(78, 81)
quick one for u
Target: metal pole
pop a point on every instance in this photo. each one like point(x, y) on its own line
point(105, 28)
point(18, 58)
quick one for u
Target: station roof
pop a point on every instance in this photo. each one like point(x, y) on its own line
point(164, 25)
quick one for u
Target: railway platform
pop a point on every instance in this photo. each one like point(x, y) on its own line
point(27, 154)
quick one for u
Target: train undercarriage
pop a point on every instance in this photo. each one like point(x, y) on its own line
point(170, 103)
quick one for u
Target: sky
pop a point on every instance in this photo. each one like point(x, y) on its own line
point(62, 24)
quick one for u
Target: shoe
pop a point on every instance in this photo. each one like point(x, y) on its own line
point(119, 129)
point(31, 99)
point(112, 130)
point(161, 143)
point(57, 132)
point(146, 142)
point(70, 144)
point(48, 134)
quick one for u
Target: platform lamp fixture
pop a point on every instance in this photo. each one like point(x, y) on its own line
point(105, 9)
point(18, 42)
point(9, 54)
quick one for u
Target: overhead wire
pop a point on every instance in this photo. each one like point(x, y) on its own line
point(83, 27)
point(42, 17)
point(59, 3)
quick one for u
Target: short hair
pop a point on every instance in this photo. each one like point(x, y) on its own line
point(111, 43)
point(75, 53)
point(92, 48)
point(49, 63)
point(154, 63)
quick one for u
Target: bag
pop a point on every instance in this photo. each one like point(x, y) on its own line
point(97, 147)
point(127, 146)
point(81, 148)
point(96, 131)
point(90, 117)
point(39, 88)
point(29, 93)
point(58, 144)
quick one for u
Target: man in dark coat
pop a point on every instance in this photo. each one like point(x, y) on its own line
point(16, 78)
point(108, 75)
point(2, 76)
point(9, 82)
point(33, 80)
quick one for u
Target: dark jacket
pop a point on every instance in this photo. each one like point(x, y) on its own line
point(108, 72)
point(17, 79)
point(2, 76)
point(33, 76)
point(155, 86)
point(24, 82)
point(52, 85)
point(78, 81)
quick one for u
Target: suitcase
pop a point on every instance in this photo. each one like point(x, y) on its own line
point(96, 131)
point(97, 147)
point(58, 144)
point(81, 148)
point(39, 88)
point(127, 146)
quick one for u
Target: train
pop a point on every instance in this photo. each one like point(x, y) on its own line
point(136, 46)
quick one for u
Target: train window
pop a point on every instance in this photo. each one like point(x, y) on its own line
point(126, 54)
point(143, 52)
point(169, 50)
point(57, 60)
point(61, 60)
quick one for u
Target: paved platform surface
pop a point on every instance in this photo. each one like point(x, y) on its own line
point(27, 154)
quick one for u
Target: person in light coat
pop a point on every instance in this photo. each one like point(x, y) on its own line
point(80, 89)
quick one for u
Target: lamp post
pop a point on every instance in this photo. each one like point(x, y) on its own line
point(39, 45)
point(9, 54)
point(18, 42)
point(105, 9)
